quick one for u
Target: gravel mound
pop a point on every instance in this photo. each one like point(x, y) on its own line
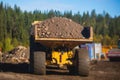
point(19, 54)
point(59, 27)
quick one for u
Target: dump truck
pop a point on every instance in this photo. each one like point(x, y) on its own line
point(61, 52)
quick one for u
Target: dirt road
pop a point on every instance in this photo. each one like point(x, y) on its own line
point(100, 71)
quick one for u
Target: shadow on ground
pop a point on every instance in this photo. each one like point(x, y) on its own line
point(18, 68)
point(24, 68)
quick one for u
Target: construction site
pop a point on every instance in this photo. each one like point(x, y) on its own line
point(61, 49)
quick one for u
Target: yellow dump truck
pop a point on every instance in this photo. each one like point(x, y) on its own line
point(59, 51)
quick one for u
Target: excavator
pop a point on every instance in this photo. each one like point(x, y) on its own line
point(114, 54)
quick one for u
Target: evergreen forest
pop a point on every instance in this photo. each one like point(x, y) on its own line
point(15, 25)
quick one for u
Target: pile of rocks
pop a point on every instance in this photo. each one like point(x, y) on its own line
point(59, 27)
point(19, 54)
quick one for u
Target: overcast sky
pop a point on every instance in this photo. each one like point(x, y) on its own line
point(110, 6)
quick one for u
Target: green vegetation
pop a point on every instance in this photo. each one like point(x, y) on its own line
point(15, 25)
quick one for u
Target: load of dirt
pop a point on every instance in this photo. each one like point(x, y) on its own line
point(59, 27)
point(19, 54)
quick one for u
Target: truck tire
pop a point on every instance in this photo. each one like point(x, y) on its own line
point(82, 65)
point(37, 58)
point(31, 67)
point(39, 63)
point(72, 70)
point(113, 59)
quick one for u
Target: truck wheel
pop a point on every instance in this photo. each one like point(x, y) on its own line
point(39, 63)
point(37, 58)
point(72, 70)
point(111, 59)
point(82, 64)
point(31, 67)
point(114, 59)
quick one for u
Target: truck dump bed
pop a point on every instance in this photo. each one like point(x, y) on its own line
point(68, 42)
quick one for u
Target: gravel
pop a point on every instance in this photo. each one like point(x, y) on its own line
point(59, 27)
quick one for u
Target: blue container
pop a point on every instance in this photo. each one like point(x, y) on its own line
point(91, 51)
point(90, 48)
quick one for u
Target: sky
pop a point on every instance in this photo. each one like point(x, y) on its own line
point(110, 6)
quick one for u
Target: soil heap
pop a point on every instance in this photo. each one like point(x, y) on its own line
point(19, 54)
point(59, 27)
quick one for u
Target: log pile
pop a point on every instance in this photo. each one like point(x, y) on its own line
point(19, 54)
point(59, 27)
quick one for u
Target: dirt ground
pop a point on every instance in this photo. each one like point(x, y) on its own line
point(103, 70)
